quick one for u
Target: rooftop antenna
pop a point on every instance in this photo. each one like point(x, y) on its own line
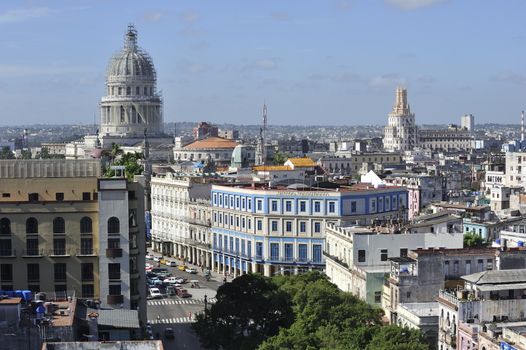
point(522, 127)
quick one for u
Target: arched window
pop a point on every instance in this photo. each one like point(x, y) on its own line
point(5, 226)
point(85, 225)
point(31, 225)
point(59, 225)
point(113, 225)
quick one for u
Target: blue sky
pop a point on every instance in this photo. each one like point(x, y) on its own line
point(313, 62)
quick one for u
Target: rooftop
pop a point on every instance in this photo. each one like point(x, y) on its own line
point(106, 345)
point(422, 309)
point(116, 318)
point(211, 142)
point(351, 188)
point(302, 162)
point(497, 277)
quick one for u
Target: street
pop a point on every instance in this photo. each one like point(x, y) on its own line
point(178, 313)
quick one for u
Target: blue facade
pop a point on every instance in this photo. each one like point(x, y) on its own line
point(286, 227)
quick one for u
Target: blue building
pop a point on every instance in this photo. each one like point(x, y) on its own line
point(282, 229)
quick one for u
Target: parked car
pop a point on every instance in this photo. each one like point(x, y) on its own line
point(191, 270)
point(158, 270)
point(170, 263)
point(169, 333)
point(172, 289)
point(155, 293)
point(149, 256)
point(151, 275)
point(183, 293)
point(156, 258)
point(182, 267)
point(173, 280)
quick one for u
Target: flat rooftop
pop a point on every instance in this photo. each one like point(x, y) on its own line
point(306, 188)
point(422, 309)
point(106, 345)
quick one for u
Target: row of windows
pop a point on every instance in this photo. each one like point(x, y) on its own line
point(59, 272)
point(244, 248)
point(59, 246)
point(147, 90)
point(244, 223)
point(59, 225)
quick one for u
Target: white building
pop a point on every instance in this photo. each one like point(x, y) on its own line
point(357, 257)
point(467, 121)
point(181, 218)
point(401, 130)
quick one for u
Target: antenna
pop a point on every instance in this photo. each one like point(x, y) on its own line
point(522, 127)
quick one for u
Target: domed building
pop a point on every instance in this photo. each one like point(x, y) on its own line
point(132, 103)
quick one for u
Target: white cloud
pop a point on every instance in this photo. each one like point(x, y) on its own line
point(413, 4)
point(152, 16)
point(386, 80)
point(20, 15)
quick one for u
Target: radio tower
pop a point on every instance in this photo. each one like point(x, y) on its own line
point(522, 128)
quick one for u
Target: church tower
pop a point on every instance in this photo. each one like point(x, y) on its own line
point(400, 134)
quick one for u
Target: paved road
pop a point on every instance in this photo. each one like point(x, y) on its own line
point(178, 313)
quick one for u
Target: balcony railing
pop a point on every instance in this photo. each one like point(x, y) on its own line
point(336, 260)
point(33, 253)
point(7, 253)
point(113, 252)
point(86, 252)
point(115, 299)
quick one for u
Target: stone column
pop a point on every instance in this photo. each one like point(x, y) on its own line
point(266, 270)
point(254, 266)
point(207, 260)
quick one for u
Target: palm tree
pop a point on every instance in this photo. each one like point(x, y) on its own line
point(115, 152)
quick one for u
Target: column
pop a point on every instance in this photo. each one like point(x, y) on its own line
point(254, 267)
point(266, 270)
point(207, 263)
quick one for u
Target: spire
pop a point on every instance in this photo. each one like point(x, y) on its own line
point(130, 41)
point(522, 127)
point(401, 107)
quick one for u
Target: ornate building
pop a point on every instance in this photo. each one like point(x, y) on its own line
point(132, 103)
point(401, 131)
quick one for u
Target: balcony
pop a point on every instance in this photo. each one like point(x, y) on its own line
point(59, 252)
point(7, 253)
point(86, 252)
point(33, 253)
point(115, 299)
point(113, 252)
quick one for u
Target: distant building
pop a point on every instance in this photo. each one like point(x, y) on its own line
point(229, 134)
point(467, 121)
point(203, 129)
point(351, 163)
point(401, 131)
point(219, 149)
point(451, 139)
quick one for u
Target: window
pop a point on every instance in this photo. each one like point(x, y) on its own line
point(317, 227)
point(59, 246)
point(249, 204)
point(274, 251)
point(113, 225)
point(86, 246)
point(489, 265)
point(59, 196)
point(237, 245)
point(114, 243)
point(316, 253)
point(220, 200)
point(332, 207)
point(408, 295)
point(288, 226)
point(249, 223)
point(60, 272)
point(59, 225)
point(259, 205)
point(114, 271)
point(289, 252)
point(243, 203)
point(6, 272)
point(86, 272)
point(274, 225)
point(249, 249)
point(377, 297)
point(237, 202)
point(132, 217)
point(243, 221)
point(403, 252)
point(33, 273)
point(114, 289)
point(31, 225)
point(231, 244)
point(361, 255)
point(88, 291)
point(214, 199)
point(288, 206)
point(302, 252)
point(317, 207)
point(5, 247)
point(373, 205)
point(32, 246)
point(303, 206)
point(32, 197)
point(455, 266)
point(5, 226)
point(383, 255)
point(303, 226)
point(259, 250)
point(274, 205)
point(6, 195)
point(237, 221)
point(85, 225)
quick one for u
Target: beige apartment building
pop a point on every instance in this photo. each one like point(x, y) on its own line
point(63, 228)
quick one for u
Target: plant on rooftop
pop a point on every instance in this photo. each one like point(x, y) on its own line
point(472, 240)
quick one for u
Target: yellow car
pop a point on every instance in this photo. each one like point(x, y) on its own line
point(182, 267)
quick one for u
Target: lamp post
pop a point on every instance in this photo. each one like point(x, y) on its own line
point(206, 303)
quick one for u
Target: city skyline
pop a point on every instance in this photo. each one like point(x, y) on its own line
point(336, 63)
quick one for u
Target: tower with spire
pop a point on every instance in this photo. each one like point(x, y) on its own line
point(261, 151)
point(400, 134)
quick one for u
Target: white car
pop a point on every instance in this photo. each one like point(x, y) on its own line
point(172, 280)
point(191, 270)
point(155, 293)
point(149, 256)
point(170, 263)
point(156, 258)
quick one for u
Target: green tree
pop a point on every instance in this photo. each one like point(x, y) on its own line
point(5, 153)
point(397, 338)
point(472, 240)
point(26, 154)
point(248, 310)
point(280, 158)
point(115, 151)
point(131, 162)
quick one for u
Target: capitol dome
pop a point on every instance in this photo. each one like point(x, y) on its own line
point(131, 62)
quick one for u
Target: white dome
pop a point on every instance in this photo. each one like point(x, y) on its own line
point(131, 62)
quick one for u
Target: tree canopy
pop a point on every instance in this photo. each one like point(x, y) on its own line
point(314, 314)
point(5, 153)
point(472, 240)
point(131, 162)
